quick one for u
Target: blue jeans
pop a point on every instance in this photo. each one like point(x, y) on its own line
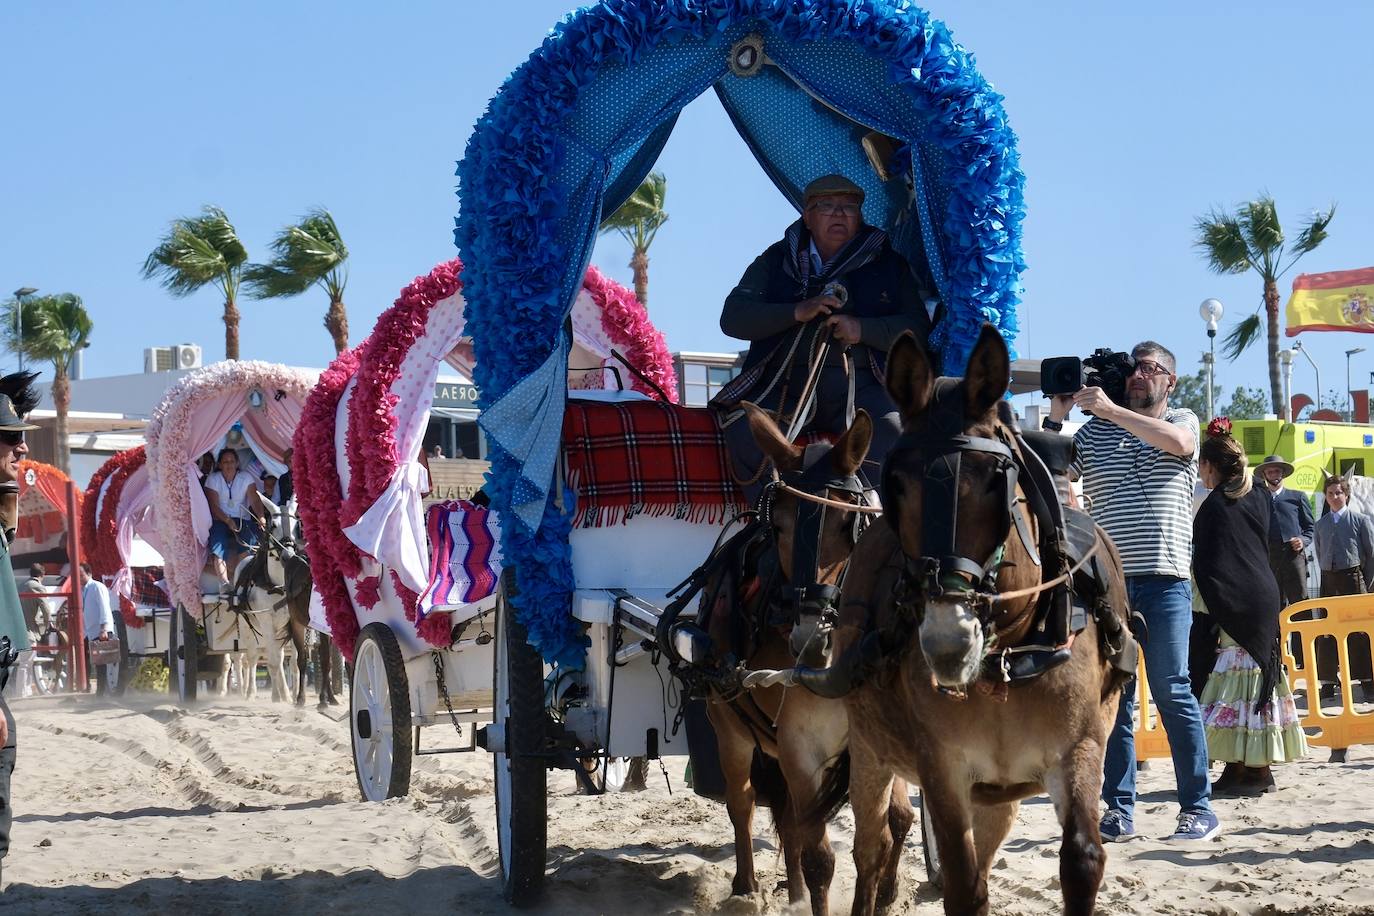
point(1166, 603)
point(224, 541)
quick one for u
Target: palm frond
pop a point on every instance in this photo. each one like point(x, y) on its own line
point(195, 252)
point(54, 328)
point(1219, 237)
point(267, 282)
point(1259, 220)
point(1239, 338)
point(1313, 231)
point(643, 211)
point(309, 252)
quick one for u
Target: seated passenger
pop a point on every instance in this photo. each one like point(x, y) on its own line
point(830, 272)
point(237, 513)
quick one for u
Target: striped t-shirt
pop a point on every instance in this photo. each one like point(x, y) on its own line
point(1142, 495)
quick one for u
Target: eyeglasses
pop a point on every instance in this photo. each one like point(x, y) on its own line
point(12, 438)
point(830, 208)
point(1150, 370)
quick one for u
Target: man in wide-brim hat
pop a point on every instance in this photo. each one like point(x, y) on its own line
point(1291, 527)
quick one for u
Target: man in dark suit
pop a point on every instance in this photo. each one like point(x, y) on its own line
point(1290, 529)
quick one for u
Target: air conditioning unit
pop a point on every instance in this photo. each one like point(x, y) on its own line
point(158, 359)
point(188, 356)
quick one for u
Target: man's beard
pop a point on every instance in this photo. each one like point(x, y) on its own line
point(1148, 399)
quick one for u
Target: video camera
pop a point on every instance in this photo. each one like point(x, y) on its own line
point(1105, 369)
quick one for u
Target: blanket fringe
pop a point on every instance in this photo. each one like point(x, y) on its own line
point(593, 516)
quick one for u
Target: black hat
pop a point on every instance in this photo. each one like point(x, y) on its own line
point(9, 419)
point(1276, 461)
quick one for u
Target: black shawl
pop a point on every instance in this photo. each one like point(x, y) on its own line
point(1231, 567)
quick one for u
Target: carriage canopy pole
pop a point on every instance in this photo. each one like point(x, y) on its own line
point(76, 642)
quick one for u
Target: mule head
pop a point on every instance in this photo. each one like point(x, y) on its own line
point(948, 488)
point(812, 531)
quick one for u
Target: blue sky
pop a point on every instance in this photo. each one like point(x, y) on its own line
point(1132, 122)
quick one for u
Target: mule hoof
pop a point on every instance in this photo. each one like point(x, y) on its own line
point(742, 888)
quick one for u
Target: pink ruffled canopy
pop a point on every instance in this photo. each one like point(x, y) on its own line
point(194, 414)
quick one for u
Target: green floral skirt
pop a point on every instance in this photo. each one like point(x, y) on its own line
point(1236, 733)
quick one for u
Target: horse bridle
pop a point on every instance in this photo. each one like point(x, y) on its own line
point(942, 573)
point(813, 601)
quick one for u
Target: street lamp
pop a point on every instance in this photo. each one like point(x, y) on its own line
point(1349, 408)
point(19, 295)
point(1297, 345)
point(1211, 312)
point(1286, 361)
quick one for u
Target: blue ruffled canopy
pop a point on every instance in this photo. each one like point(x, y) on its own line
point(577, 127)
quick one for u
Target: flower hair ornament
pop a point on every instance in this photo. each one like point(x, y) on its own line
point(1219, 427)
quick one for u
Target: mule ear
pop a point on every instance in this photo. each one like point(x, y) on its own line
point(910, 376)
point(852, 448)
point(768, 437)
point(989, 372)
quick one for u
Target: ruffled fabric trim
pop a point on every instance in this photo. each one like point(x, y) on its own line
point(1236, 731)
point(319, 497)
point(505, 226)
point(626, 322)
point(99, 535)
point(168, 457)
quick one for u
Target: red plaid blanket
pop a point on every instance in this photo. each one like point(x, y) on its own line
point(646, 457)
point(145, 589)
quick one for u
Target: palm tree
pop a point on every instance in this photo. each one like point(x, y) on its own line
point(310, 253)
point(196, 252)
point(55, 329)
point(1252, 239)
point(638, 220)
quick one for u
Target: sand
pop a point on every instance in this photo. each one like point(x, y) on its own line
point(244, 808)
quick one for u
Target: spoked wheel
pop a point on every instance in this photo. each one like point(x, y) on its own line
point(183, 653)
point(379, 710)
point(521, 776)
point(934, 873)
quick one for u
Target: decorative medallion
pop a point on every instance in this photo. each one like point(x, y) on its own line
point(746, 56)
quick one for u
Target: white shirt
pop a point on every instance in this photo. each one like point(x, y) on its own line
point(95, 609)
point(232, 495)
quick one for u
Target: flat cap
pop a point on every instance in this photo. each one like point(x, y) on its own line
point(829, 185)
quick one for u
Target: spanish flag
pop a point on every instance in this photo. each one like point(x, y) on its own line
point(1342, 300)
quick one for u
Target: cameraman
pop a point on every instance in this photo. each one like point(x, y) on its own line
point(1139, 468)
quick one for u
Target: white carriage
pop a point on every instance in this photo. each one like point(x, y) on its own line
point(254, 408)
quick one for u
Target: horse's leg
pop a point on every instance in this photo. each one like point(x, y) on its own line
point(991, 824)
point(325, 688)
point(736, 748)
point(302, 657)
point(947, 800)
point(276, 664)
point(1074, 786)
point(812, 735)
point(870, 787)
point(899, 819)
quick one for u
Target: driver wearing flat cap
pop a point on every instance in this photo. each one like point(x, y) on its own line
point(829, 275)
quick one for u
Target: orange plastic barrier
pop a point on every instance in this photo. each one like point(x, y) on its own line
point(1150, 739)
point(1343, 728)
point(1344, 617)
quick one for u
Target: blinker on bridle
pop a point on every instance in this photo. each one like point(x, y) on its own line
point(942, 572)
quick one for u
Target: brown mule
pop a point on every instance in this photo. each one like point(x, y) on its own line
point(929, 714)
point(801, 736)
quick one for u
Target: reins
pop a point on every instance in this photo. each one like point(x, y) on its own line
point(1046, 586)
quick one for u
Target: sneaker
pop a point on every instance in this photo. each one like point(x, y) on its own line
point(1196, 825)
point(1116, 827)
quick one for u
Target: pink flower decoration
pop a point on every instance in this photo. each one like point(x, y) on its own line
point(368, 592)
point(627, 324)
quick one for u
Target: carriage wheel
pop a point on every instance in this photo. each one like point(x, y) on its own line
point(929, 851)
point(521, 777)
point(379, 710)
point(183, 655)
point(126, 669)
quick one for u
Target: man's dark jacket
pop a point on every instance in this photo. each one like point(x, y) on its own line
point(1291, 517)
point(883, 295)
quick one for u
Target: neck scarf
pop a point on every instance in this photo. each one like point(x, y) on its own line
point(866, 245)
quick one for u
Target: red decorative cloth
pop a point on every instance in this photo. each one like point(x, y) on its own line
point(646, 457)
